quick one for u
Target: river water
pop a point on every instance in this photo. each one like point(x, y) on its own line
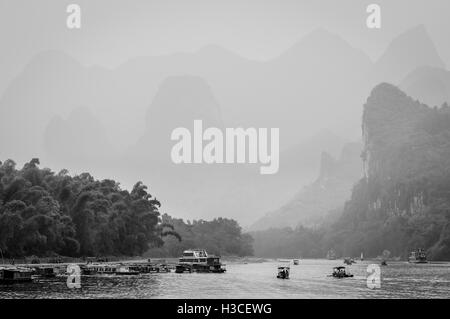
point(253, 280)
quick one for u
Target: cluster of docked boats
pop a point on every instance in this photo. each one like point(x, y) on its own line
point(193, 260)
point(16, 274)
point(134, 268)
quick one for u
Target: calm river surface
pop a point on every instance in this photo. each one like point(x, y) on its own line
point(253, 280)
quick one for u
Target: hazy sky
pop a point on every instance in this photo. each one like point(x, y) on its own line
point(116, 30)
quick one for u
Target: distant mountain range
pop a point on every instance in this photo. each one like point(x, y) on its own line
point(329, 192)
point(317, 85)
point(431, 85)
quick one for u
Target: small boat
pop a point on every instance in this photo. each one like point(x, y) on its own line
point(341, 272)
point(181, 268)
point(44, 272)
point(383, 263)
point(331, 255)
point(418, 257)
point(163, 268)
point(349, 261)
point(296, 262)
point(124, 270)
point(146, 268)
point(283, 272)
point(11, 275)
point(99, 269)
point(362, 257)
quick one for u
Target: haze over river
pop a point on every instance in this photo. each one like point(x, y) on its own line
point(253, 280)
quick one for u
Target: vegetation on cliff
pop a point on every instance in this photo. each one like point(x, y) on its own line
point(403, 201)
point(44, 213)
point(220, 236)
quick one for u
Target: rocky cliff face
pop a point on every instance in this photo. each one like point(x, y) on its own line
point(330, 190)
point(403, 202)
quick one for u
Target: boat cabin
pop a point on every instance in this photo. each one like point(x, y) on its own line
point(194, 256)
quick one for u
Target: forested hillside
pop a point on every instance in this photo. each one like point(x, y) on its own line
point(403, 201)
point(45, 213)
point(220, 236)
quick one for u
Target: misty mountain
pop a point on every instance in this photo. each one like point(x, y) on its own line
point(402, 203)
point(407, 52)
point(330, 191)
point(285, 92)
point(318, 84)
point(179, 101)
point(429, 85)
point(77, 142)
point(303, 159)
point(50, 85)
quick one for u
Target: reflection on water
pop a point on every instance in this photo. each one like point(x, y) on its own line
point(252, 280)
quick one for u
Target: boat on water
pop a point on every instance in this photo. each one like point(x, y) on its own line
point(349, 261)
point(198, 260)
point(418, 256)
point(362, 257)
point(44, 272)
point(283, 272)
point(146, 268)
point(99, 269)
point(331, 255)
point(126, 271)
point(341, 272)
point(296, 262)
point(383, 263)
point(11, 275)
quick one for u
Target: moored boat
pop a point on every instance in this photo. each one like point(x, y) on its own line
point(418, 257)
point(331, 255)
point(99, 269)
point(10, 275)
point(146, 268)
point(198, 260)
point(296, 262)
point(125, 270)
point(45, 272)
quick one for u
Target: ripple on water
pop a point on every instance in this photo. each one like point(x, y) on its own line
point(252, 280)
